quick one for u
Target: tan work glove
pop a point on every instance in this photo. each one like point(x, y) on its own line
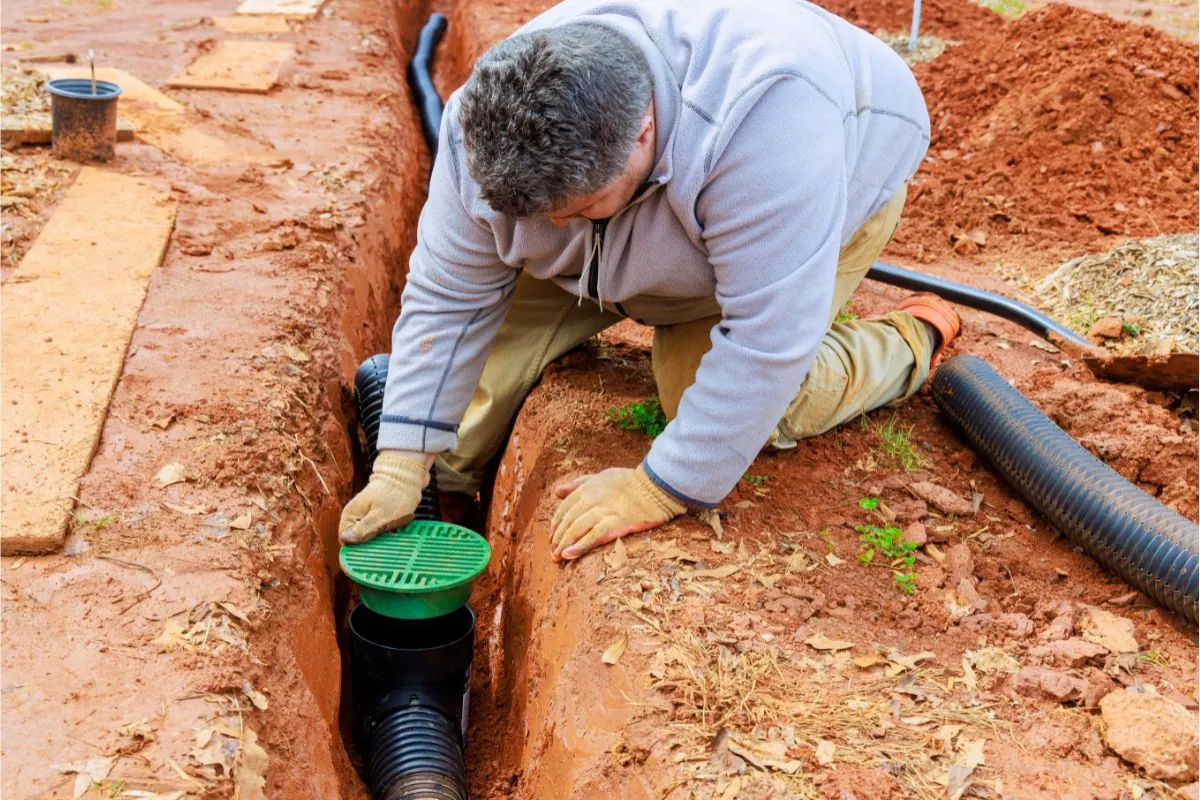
point(596, 509)
point(387, 501)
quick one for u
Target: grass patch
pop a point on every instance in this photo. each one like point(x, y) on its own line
point(1012, 9)
point(896, 443)
point(647, 417)
point(890, 543)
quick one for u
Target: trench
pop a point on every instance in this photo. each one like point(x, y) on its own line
point(510, 600)
point(544, 720)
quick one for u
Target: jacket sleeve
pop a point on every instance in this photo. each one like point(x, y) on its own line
point(455, 298)
point(772, 211)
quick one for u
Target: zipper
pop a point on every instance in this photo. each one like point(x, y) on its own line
point(593, 287)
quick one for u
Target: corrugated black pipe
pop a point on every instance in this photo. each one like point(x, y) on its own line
point(369, 383)
point(410, 680)
point(1149, 545)
point(420, 81)
point(969, 296)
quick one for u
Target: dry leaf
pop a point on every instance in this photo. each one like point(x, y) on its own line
point(617, 558)
point(612, 654)
point(825, 751)
point(764, 755)
point(820, 641)
point(902, 662)
point(241, 522)
point(991, 659)
point(869, 660)
point(93, 770)
point(190, 511)
point(16, 564)
point(171, 638)
point(296, 354)
point(234, 611)
point(163, 423)
point(717, 572)
point(833, 560)
point(970, 756)
point(712, 518)
point(249, 772)
point(732, 790)
point(1041, 345)
point(256, 697)
point(170, 474)
point(724, 548)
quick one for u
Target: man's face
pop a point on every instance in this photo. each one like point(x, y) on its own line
point(608, 200)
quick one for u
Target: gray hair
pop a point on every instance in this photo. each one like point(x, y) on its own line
point(553, 114)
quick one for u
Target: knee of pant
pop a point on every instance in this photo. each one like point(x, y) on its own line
point(814, 409)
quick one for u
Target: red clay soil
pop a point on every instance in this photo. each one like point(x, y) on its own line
point(248, 352)
point(1053, 135)
point(281, 274)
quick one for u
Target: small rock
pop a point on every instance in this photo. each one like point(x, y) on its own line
point(1049, 609)
point(959, 563)
point(1151, 732)
point(909, 509)
point(915, 533)
point(1068, 653)
point(942, 499)
point(1060, 627)
point(1107, 328)
point(966, 589)
point(1014, 626)
point(1051, 683)
point(1106, 629)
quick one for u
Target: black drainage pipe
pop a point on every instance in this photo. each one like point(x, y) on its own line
point(429, 104)
point(969, 296)
point(369, 383)
point(1149, 545)
point(410, 679)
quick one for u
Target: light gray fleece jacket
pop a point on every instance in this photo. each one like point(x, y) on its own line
point(780, 129)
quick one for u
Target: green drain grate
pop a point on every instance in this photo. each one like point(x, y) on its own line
point(420, 571)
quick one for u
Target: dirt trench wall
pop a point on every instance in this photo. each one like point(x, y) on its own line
point(365, 314)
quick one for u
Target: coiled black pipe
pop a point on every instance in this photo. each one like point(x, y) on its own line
point(409, 680)
point(369, 383)
point(429, 104)
point(1149, 545)
point(969, 296)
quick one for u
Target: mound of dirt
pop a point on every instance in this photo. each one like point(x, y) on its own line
point(952, 19)
point(1062, 128)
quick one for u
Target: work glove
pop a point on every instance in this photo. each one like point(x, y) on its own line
point(596, 509)
point(387, 501)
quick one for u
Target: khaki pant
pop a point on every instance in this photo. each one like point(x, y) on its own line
point(862, 364)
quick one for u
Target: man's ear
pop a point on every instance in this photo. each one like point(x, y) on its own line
point(647, 129)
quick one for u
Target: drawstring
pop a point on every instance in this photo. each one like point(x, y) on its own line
point(596, 253)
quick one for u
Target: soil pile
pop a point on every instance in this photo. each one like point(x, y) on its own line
point(1061, 128)
point(959, 20)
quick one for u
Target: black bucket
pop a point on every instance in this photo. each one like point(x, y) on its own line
point(83, 125)
point(410, 680)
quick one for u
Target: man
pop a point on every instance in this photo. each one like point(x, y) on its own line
point(724, 171)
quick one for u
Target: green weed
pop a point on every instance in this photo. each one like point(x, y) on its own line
point(896, 442)
point(890, 543)
point(845, 314)
point(1006, 8)
point(95, 525)
point(868, 503)
point(647, 417)
point(756, 480)
point(1084, 315)
point(1132, 329)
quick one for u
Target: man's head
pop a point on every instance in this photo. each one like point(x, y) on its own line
point(559, 122)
